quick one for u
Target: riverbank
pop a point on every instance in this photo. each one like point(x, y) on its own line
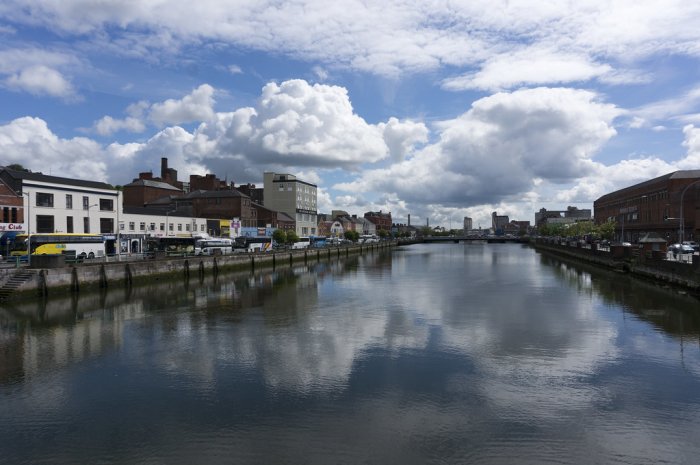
point(645, 265)
point(45, 277)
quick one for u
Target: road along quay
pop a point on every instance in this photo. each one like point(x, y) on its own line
point(51, 275)
point(645, 264)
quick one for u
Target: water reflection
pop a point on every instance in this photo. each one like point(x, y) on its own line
point(430, 354)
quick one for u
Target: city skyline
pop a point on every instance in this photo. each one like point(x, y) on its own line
point(440, 110)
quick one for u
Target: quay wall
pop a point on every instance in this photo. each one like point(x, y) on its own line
point(56, 279)
point(639, 263)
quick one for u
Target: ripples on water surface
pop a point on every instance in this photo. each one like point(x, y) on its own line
point(428, 354)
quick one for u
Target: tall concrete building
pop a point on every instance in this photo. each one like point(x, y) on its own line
point(467, 224)
point(296, 198)
point(498, 222)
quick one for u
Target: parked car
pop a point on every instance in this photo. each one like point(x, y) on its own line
point(681, 249)
point(693, 244)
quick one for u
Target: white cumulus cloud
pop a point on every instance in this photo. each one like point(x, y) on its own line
point(500, 146)
point(197, 106)
point(41, 80)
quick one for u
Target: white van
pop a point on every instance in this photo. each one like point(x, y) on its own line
point(367, 239)
point(302, 243)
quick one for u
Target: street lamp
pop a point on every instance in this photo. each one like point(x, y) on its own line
point(88, 210)
point(29, 225)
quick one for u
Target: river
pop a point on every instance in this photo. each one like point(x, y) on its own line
point(426, 354)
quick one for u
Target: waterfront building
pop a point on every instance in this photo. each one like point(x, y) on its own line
point(145, 190)
point(498, 222)
point(136, 224)
point(381, 220)
point(296, 198)
point(333, 228)
point(668, 205)
point(56, 204)
point(568, 216)
point(11, 209)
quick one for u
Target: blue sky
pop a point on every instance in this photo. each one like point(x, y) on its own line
point(437, 109)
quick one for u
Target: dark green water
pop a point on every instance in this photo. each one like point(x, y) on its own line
point(429, 354)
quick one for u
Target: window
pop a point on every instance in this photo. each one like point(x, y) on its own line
point(44, 200)
point(132, 226)
point(170, 227)
point(86, 202)
point(201, 227)
point(106, 205)
point(86, 224)
point(106, 225)
point(152, 227)
point(69, 224)
point(121, 226)
point(6, 214)
point(179, 226)
point(162, 226)
point(142, 226)
point(14, 215)
point(69, 202)
point(44, 223)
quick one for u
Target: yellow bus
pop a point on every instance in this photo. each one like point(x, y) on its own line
point(77, 245)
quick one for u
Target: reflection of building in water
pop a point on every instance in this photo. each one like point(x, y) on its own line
point(27, 350)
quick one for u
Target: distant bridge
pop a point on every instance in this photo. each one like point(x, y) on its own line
point(457, 239)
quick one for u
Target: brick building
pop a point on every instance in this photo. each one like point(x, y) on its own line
point(668, 205)
point(381, 220)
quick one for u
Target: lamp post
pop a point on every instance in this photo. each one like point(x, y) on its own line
point(88, 210)
point(29, 226)
point(119, 241)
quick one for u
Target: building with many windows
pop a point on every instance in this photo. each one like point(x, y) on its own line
point(56, 204)
point(498, 222)
point(668, 206)
point(297, 198)
point(467, 224)
point(568, 216)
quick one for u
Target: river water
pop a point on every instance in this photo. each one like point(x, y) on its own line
point(427, 354)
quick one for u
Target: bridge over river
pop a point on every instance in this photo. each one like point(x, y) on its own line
point(456, 239)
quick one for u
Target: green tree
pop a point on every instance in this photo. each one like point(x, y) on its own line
point(292, 237)
point(18, 167)
point(383, 233)
point(351, 235)
point(606, 230)
point(279, 236)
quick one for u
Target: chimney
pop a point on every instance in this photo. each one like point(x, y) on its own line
point(409, 219)
point(163, 168)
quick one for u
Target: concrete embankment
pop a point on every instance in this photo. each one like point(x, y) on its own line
point(648, 265)
point(47, 276)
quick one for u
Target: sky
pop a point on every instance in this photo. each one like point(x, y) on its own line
point(433, 109)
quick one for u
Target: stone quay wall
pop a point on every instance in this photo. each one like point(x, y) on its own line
point(650, 265)
point(51, 275)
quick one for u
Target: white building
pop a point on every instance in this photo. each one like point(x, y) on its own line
point(54, 204)
point(62, 205)
point(296, 198)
